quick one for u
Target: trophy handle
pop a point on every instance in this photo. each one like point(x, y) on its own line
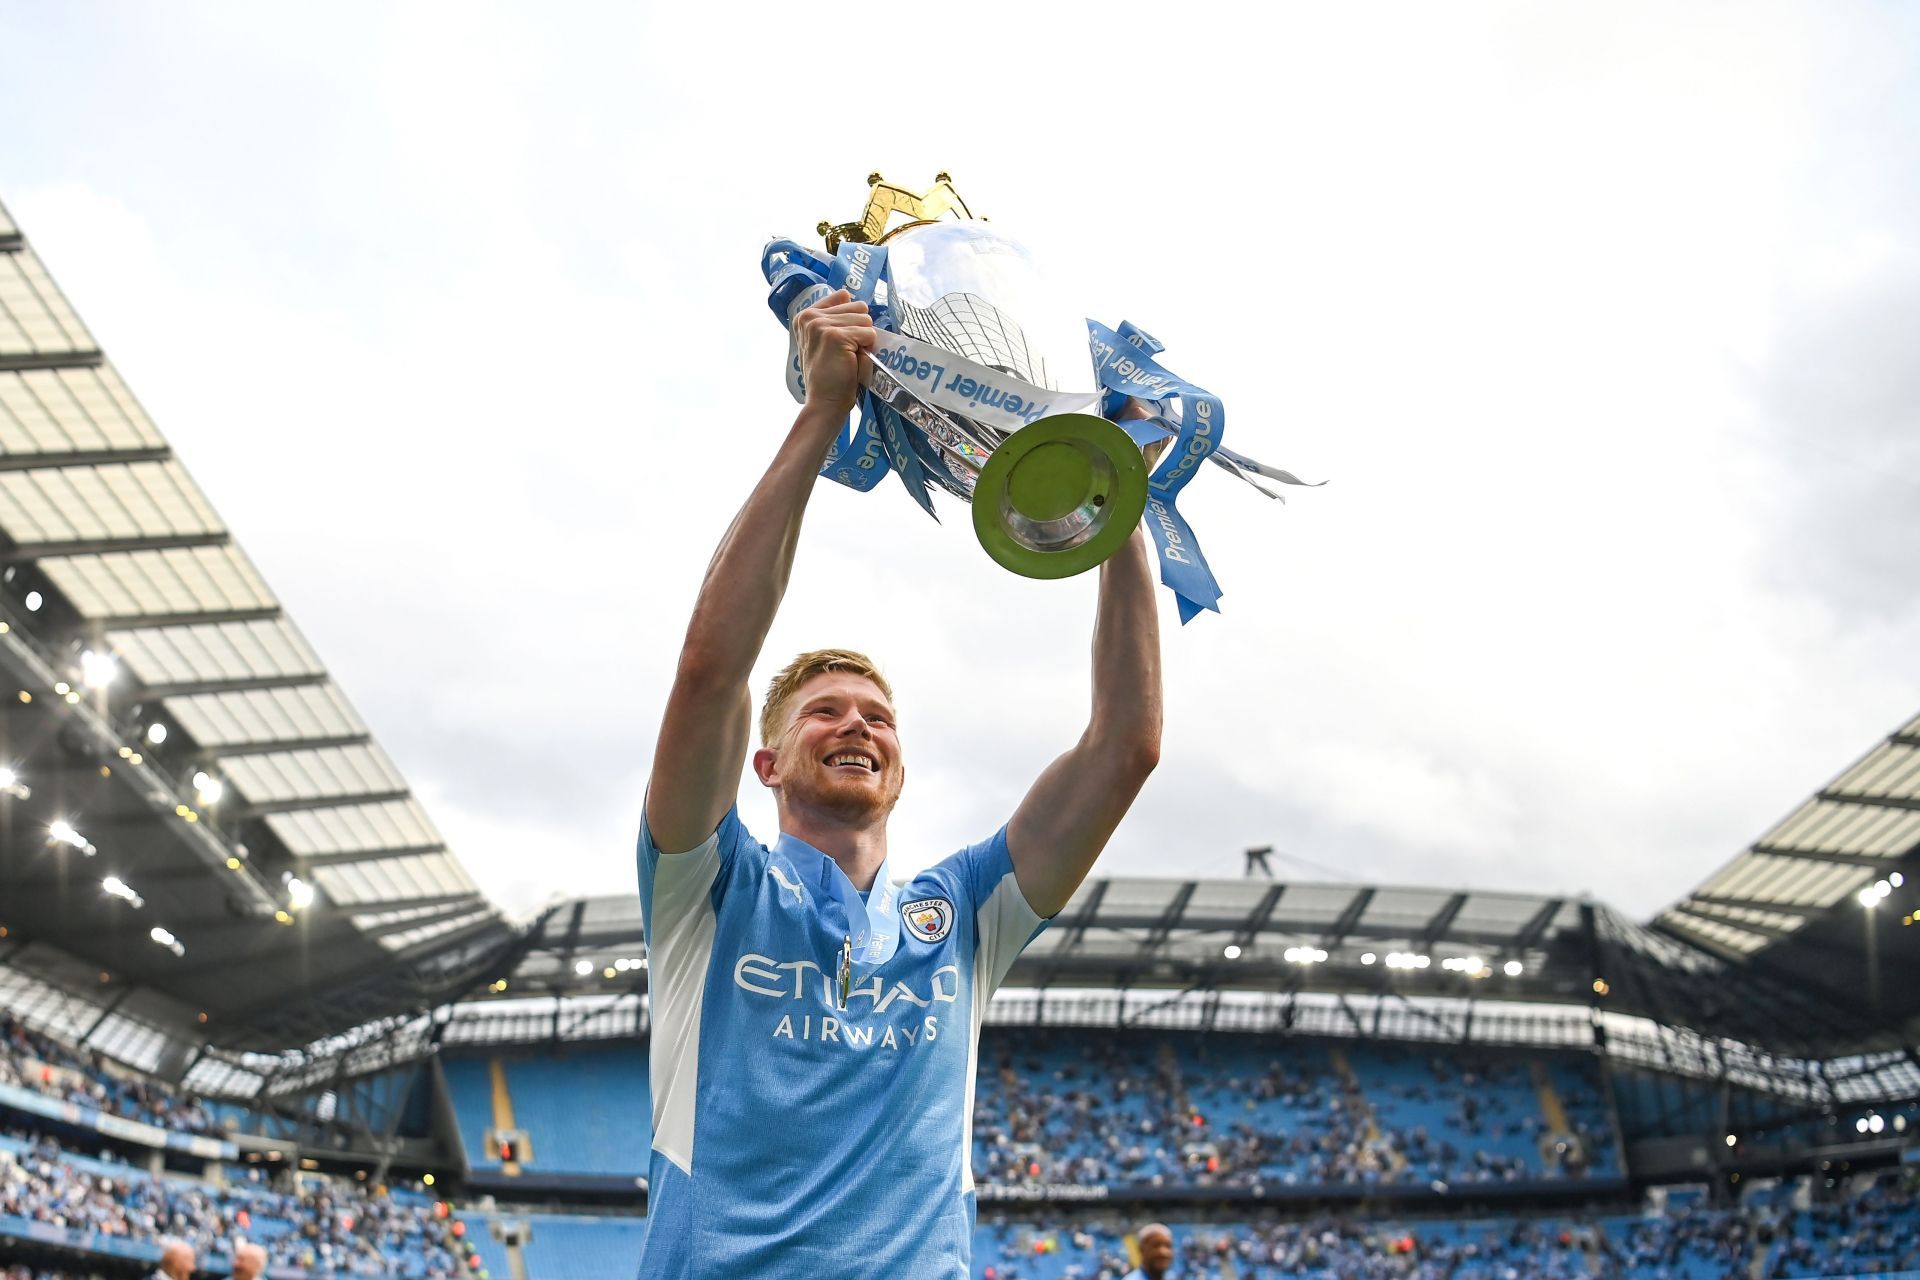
point(1060, 495)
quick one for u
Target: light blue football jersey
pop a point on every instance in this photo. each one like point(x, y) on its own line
point(793, 1137)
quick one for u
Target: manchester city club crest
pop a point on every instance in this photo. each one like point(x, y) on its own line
point(928, 919)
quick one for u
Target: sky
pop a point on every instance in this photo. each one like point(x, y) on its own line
point(1596, 319)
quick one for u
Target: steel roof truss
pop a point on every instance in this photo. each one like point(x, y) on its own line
point(51, 360)
point(49, 461)
point(1744, 926)
point(317, 861)
point(304, 803)
point(114, 546)
point(1260, 915)
point(1349, 918)
point(1875, 802)
point(451, 911)
point(1170, 919)
point(1443, 919)
point(281, 746)
point(190, 688)
point(1823, 855)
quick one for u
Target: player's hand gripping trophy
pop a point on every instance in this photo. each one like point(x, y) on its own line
point(986, 384)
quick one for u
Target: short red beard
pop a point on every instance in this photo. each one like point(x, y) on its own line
point(845, 800)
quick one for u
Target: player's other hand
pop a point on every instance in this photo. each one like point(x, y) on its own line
point(834, 334)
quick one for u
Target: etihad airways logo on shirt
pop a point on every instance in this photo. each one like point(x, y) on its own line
point(806, 980)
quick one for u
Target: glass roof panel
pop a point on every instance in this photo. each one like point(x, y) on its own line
point(1316, 905)
point(1397, 908)
point(34, 316)
point(306, 775)
point(1891, 769)
point(391, 824)
point(412, 937)
point(145, 583)
point(65, 411)
point(1728, 936)
point(1135, 897)
point(1214, 899)
point(117, 500)
point(266, 715)
point(1497, 913)
point(216, 651)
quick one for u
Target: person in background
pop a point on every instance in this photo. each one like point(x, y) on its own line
point(1156, 1252)
point(249, 1262)
point(176, 1261)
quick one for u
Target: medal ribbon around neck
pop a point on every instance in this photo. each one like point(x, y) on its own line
point(870, 924)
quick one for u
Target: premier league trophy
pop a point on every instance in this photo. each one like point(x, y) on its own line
point(1059, 431)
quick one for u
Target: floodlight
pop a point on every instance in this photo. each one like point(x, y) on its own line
point(98, 670)
point(583, 967)
point(1896, 879)
point(62, 832)
point(1876, 1123)
point(209, 788)
point(299, 893)
point(156, 733)
point(1514, 968)
point(1368, 957)
point(1232, 952)
point(34, 601)
point(122, 890)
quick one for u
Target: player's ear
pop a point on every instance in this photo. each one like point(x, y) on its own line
point(766, 766)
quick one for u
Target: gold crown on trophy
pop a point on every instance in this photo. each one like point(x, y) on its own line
point(889, 198)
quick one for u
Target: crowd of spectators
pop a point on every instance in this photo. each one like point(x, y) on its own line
point(1066, 1107)
point(1876, 1230)
point(30, 1060)
point(321, 1227)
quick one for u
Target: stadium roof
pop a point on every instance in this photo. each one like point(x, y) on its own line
point(1793, 964)
point(1827, 899)
point(264, 772)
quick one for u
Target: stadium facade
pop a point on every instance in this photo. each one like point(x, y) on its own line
point(240, 963)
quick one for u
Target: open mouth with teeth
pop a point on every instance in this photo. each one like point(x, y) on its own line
point(855, 759)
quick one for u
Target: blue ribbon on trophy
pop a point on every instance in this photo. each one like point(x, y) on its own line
point(978, 388)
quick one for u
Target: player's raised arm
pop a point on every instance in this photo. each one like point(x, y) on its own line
point(1072, 810)
point(707, 727)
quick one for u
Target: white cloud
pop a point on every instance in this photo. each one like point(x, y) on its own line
point(455, 317)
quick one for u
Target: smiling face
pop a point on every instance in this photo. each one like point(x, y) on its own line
point(838, 753)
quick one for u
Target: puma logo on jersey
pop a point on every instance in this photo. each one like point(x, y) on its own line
point(787, 884)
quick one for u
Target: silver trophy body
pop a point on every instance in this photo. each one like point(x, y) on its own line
point(1055, 488)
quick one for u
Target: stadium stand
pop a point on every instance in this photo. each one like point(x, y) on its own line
point(1245, 1111)
point(585, 1109)
point(1874, 1230)
point(39, 1063)
point(255, 995)
point(50, 1195)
